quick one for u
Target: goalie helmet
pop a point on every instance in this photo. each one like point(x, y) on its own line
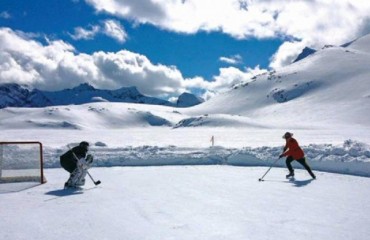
point(84, 144)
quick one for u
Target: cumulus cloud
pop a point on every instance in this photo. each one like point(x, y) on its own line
point(234, 60)
point(111, 28)
point(315, 23)
point(56, 65)
point(125, 68)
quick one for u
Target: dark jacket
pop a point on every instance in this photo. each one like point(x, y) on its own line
point(68, 161)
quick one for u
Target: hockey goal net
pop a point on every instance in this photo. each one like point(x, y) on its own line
point(21, 162)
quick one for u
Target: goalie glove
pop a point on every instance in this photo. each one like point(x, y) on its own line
point(89, 158)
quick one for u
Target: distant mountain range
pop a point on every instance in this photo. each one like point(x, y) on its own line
point(14, 95)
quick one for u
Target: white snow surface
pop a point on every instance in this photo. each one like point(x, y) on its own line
point(190, 203)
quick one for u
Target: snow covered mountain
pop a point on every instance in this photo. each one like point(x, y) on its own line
point(330, 87)
point(13, 95)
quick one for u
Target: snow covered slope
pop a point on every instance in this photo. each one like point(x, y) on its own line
point(362, 44)
point(88, 116)
point(329, 87)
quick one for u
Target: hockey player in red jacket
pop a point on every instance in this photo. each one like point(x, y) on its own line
point(293, 152)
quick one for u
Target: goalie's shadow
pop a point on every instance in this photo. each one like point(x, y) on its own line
point(64, 192)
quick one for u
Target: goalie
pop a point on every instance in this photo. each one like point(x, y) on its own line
point(76, 161)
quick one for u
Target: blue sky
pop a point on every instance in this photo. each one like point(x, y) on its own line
point(164, 47)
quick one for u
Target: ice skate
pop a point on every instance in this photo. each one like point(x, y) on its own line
point(290, 175)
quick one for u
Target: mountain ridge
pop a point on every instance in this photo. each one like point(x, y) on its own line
point(14, 95)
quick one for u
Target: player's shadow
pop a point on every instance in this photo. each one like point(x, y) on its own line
point(300, 183)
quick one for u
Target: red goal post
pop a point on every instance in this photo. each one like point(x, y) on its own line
point(21, 162)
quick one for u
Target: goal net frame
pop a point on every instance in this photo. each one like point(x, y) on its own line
point(38, 174)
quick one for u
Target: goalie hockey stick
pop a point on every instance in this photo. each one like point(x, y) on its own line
point(97, 182)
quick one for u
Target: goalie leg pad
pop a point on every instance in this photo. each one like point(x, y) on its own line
point(74, 178)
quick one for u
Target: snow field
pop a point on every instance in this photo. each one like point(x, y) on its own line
point(190, 202)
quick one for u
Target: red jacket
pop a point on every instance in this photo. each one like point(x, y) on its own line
point(292, 149)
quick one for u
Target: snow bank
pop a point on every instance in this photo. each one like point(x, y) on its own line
point(351, 157)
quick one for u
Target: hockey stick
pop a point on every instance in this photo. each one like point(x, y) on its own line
point(261, 179)
point(97, 182)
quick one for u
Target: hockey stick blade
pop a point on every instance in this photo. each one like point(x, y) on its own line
point(92, 179)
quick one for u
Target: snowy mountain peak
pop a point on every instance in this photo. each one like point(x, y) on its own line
point(305, 53)
point(132, 91)
point(188, 100)
point(83, 87)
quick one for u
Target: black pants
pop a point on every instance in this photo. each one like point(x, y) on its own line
point(302, 161)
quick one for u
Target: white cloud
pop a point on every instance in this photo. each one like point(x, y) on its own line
point(234, 60)
point(227, 78)
point(56, 65)
point(115, 30)
point(315, 23)
point(125, 68)
point(110, 28)
point(5, 15)
point(86, 34)
point(286, 54)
